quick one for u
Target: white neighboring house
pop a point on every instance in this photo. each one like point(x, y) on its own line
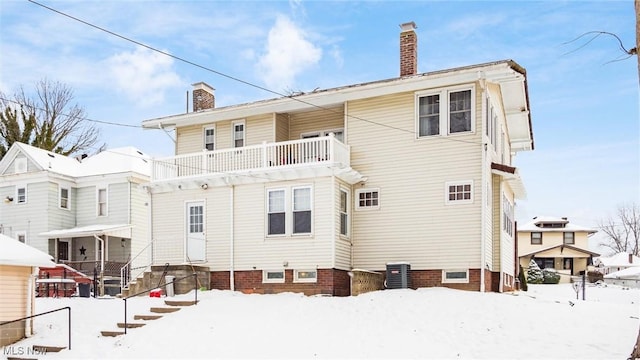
point(626, 277)
point(617, 262)
point(76, 209)
point(18, 269)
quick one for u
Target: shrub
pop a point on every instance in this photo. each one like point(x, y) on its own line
point(534, 274)
point(594, 276)
point(523, 279)
point(550, 276)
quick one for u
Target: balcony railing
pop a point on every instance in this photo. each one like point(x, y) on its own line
point(321, 150)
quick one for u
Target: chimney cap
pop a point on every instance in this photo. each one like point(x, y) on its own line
point(203, 86)
point(408, 26)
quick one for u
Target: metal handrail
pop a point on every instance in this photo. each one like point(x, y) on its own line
point(125, 276)
point(195, 283)
point(45, 313)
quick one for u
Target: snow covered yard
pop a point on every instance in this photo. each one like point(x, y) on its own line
point(424, 323)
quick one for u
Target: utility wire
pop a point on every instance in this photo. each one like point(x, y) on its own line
point(67, 115)
point(235, 78)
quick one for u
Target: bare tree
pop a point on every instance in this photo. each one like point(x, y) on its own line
point(623, 230)
point(14, 126)
point(60, 126)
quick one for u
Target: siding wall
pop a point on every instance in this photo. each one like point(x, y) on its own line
point(117, 205)
point(282, 127)
point(312, 121)
point(252, 248)
point(343, 243)
point(140, 221)
point(413, 223)
point(30, 217)
point(190, 139)
point(13, 301)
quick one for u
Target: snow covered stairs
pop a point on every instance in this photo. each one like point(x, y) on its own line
point(172, 306)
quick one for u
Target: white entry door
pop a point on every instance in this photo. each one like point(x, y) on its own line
point(195, 232)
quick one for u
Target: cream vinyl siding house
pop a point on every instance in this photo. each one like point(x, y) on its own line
point(416, 169)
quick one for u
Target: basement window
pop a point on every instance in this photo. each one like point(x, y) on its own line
point(455, 276)
point(273, 276)
point(310, 276)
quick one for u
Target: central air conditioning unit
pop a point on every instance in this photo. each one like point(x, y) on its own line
point(398, 275)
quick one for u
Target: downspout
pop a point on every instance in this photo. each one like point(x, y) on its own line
point(150, 226)
point(231, 242)
point(29, 325)
point(101, 263)
point(483, 210)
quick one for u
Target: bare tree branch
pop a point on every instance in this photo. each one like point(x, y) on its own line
point(623, 231)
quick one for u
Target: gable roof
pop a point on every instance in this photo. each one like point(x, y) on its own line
point(532, 226)
point(43, 159)
point(510, 76)
point(15, 253)
point(619, 259)
point(111, 161)
point(629, 274)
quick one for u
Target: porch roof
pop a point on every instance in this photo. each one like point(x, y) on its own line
point(118, 230)
point(562, 247)
point(511, 176)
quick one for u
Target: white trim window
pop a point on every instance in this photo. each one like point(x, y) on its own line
point(21, 194)
point(344, 212)
point(239, 134)
point(459, 192)
point(456, 276)
point(568, 237)
point(367, 199)
point(209, 138)
point(536, 238)
point(301, 210)
point(451, 109)
point(276, 212)
point(64, 197)
point(20, 165)
point(102, 201)
point(305, 276)
point(273, 276)
point(507, 215)
point(289, 211)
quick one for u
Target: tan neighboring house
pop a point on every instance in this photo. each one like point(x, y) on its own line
point(18, 271)
point(554, 242)
point(292, 193)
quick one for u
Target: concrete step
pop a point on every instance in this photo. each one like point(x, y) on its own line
point(47, 349)
point(163, 310)
point(111, 333)
point(180, 302)
point(131, 325)
point(146, 317)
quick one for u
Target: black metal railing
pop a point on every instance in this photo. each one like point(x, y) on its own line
point(195, 286)
point(45, 313)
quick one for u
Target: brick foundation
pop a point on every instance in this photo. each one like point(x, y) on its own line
point(330, 282)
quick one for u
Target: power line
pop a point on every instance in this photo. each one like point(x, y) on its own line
point(67, 115)
point(235, 78)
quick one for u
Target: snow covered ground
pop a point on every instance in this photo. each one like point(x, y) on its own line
point(425, 323)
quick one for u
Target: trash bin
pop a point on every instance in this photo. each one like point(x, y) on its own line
point(84, 290)
point(169, 285)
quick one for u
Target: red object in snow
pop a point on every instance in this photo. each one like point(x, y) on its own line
point(155, 293)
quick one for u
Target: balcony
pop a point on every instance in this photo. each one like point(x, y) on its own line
point(290, 159)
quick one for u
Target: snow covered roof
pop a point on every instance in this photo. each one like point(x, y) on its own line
point(628, 273)
point(619, 259)
point(537, 223)
point(125, 159)
point(111, 161)
point(120, 230)
point(13, 252)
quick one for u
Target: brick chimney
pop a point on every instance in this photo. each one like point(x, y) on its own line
point(203, 96)
point(408, 49)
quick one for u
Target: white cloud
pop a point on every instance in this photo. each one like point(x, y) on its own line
point(143, 75)
point(287, 54)
point(336, 53)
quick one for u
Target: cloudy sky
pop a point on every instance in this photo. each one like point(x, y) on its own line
point(583, 92)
